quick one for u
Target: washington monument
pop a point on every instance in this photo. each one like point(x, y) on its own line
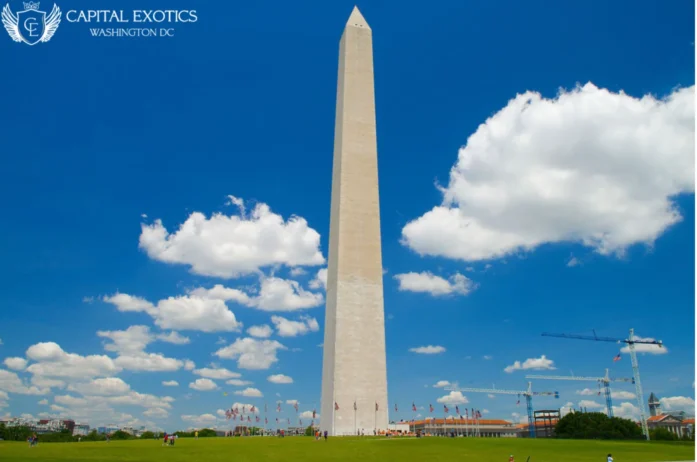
point(354, 372)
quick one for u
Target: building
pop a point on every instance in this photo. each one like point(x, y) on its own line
point(483, 428)
point(354, 369)
point(654, 405)
point(81, 430)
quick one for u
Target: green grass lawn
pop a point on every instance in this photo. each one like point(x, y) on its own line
point(349, 449)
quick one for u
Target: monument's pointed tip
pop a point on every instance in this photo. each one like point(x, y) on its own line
point(357, 20)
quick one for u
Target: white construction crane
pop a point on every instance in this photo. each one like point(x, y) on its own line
point(527, 393)
point(605, 381)
point(630, 342)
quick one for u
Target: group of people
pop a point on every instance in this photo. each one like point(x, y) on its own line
point(169, 439)
point(318, 435)
point(33, 440)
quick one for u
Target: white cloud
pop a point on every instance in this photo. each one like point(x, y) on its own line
point(43, 402)
point(292, 402)
point(230, 246)
point(252, 353)
point(441, 384)
point(308, 415)
point(52, 361)
point(320, 280)
point(490, 396)
point(646, 348)
point(678, 403)
point(295, 272)
point(203, 385)
point(129, 341)
point(280, 379)
point(435, 285)
point(156, 413)
point(238, 382)
point(590, 404)
point(573, 261)
point(428, 350)
point(288, 328)
point(170, 383)
point(453, 398)
point(108, 386)
point(181, 313)
point(275, 294)
point(150, 362)
point(194, 313)
point(17, 364)
point(487, 357)
point(220, 373)
point(622, 394)
point(278, 294)
point(174, 337)
point(189, 365)
point(263, 331)
point(250, 393)
point(537, 364)
point(590, 166)
point(587, 392)
point(626, 411)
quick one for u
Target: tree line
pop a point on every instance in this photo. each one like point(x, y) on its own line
point(596, 425)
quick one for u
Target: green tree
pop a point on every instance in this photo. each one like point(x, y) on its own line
point(596, 425)
point(309, 431)
point(147, 436)
point(121, 435)
point(207, 433)
point(662, 434)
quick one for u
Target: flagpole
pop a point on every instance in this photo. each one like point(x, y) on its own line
point(375, 420)
point(355, 408)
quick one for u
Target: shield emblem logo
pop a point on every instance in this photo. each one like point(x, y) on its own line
point(31, 25)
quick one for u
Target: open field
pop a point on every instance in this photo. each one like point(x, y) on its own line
point(348, 449)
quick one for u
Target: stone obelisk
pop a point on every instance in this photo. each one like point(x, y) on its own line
point(354, 372)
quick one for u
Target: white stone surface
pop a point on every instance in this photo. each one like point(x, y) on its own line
point(354, 368)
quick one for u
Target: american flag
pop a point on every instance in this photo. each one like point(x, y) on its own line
point(457, 410)
point(336, 406)
point(257, 418)
point(276, 419)
point(462, 417)
point(413, 407)
point(314, 414)
point(296, 407)
point(252, 409)
point(430, 407)
point(518, 403)
point(249, 418)
point(376, 407)
point(278, 407)
point(445, 409)
point(617, 358)
point(395, 407)
point(301, 422)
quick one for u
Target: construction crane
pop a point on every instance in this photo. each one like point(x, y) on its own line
point(527, 393)
point(605, 381)
point(631, 341)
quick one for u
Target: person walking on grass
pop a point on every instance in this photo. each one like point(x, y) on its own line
point(326, 434)
point(609, 458)
point(510, 458)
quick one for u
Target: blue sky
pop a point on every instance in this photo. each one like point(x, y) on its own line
point(568, 210)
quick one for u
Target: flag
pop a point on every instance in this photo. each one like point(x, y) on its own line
point(355, 406)
point(518, 403)
point(314, 414)
point(430, 407)
point(618, 357)
point(266, 421)
point(462, 417)
point(445, 409)
point(296, 407)
point(395, 407)
point(278, 408)
point(257, 419)
point(336, 406)
point(249, 418)
point(413, 407)
point(252, 409)
point(276, 419)
point(289, 421)
point(301, 422)
point(376, 407)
